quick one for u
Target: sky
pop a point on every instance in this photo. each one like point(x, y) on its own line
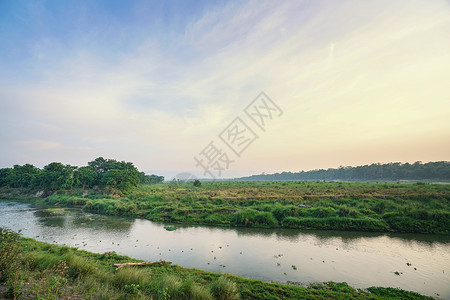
point(158, 82)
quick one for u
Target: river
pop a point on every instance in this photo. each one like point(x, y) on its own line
point(359, 258)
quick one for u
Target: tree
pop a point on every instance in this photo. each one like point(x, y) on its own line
point(150, 179)
point(23, 176)
point(122, 179)
point(85, 177)
point(197, 183)
point(56, 176)
point(6, 176)
point(391, 171)
point(119, 175)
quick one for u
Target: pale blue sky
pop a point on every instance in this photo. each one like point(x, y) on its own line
point(153, 82)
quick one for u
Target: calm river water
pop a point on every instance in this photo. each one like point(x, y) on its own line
point(360, 259)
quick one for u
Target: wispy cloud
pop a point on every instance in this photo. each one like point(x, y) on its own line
point(347, 74)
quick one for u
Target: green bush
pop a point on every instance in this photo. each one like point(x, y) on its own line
point(224, 289)
point(337, 223)
point(79, 266)
point(281, 212)
point(9, 250)
point(254, 218)
point(291, 222)
point(323, 212)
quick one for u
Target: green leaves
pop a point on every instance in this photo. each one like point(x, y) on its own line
point(116, 176)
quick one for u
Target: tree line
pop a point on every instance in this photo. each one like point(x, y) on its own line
point(392, 171)
point(101, 172)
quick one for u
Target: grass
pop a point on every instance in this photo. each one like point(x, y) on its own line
point(379, 207)
point(46, 271)
point(52, 212)
point(170, 228)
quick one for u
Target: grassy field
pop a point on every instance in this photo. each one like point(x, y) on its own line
point(416, 208)
point(34, 270)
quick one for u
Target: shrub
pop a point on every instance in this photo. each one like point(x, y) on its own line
point(323, 212)
point(190, 290)
point(79, 266)
point(9, 250)
point(337, 223)
point(291, 222)
point(130, 275)
point(281, 212)
point(254, 218)
point(224, 289)
point(344, 211)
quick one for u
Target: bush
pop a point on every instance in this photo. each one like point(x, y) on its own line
point(190, 290)
point(323, 212)
point(79, 266)
point(9, 250)
point(291, 222)
point(336, 223)
point(254, 218)
point(224, 289)
point(281, 212)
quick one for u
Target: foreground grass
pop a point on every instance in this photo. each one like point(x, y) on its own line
point(46, 271)
point(417, 208)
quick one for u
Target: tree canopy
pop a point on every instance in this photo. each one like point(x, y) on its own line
point(101, 172)
point(392, 171)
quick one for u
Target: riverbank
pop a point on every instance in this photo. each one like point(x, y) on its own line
point(376, 207)
point(41, 270)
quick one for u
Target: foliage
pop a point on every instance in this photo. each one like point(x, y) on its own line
point(390, 171)
point(224, 289)
point(297, 204)
point(56, 176)
point(9, 251)
point(254, 218)
point(116, 176)
point(85, 177)
point(394, 293)
point(150, 179)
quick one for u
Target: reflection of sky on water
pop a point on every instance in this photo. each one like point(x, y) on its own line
point(361, 259)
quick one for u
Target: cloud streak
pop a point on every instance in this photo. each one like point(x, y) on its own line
point(346, 74)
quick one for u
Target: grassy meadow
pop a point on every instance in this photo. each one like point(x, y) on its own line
point(380, 207)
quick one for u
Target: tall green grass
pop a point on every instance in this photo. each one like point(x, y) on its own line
point(321, 205)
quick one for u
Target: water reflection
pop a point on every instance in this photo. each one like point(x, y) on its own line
point(359, 258)
point(52, 221)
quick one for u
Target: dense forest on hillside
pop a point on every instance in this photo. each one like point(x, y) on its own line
point(103, 173)
point(392, 171)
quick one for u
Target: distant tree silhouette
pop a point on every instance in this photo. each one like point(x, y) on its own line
point(391, 171)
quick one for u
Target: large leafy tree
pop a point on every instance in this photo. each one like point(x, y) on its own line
point(85, 177)
point(6, 176)
point(57, 176)
point(122, 176)
point(118, 175)
point(25, 175)
point(19, 176)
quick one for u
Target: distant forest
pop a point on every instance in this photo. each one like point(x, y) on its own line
point(392, 171)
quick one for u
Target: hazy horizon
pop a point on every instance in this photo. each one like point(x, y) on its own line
point(154, 83)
